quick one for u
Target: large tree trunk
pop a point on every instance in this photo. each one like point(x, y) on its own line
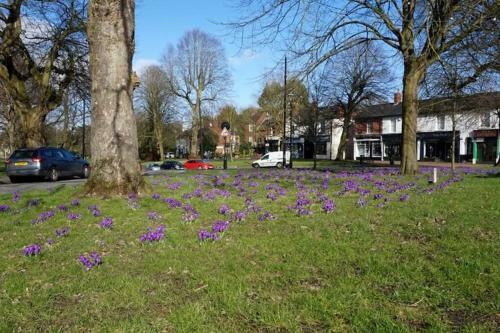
point(195, 128)
point(159, 137)
point(411, 80)
point(114, 146)
point(31, 126)
point(343, 138)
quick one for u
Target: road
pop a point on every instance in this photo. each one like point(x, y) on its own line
point(39, 185)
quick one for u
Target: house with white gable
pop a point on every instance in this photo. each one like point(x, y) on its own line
point(378, 129)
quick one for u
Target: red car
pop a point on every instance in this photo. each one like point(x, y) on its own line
point(197, 164)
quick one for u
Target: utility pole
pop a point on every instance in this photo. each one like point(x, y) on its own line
point(284, 117)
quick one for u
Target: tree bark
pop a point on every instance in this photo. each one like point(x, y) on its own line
point(195, 128)
point(31, 125)
point(114, 146)
point(343, 138)
point(411, 80)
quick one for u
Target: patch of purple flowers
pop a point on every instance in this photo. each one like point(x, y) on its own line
point(4, 208)
point(329, 206)
point(74, 216)
point(172, 203)
point(224, 209)
point(93, 260)
point(220, 226)
point(32, 250)
point(43, 216)
point(153, 235)
point(154, 216)
point(16, 196)
point(205, 235)
point(106, 223)
point(62, 232)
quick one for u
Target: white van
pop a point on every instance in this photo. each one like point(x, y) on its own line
point(272, 159)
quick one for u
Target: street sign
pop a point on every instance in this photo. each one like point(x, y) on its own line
point(225, 132)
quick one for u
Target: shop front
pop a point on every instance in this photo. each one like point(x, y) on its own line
point(437, 146)
point(486, 145)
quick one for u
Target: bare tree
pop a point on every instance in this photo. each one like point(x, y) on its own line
point(198, 74)
point(42, 49)
point(157, 102)
point(356, 77)
point(419, 31)
point(115, 165)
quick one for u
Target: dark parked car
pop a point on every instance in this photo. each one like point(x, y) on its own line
point(172, 165)
point(47, 162)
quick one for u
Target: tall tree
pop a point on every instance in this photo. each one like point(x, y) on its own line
point(356, 77)
point(115, 165)
point(42, 49)
point(271, 102)
point(418, 30)
point(198, 74)
point(156, 101)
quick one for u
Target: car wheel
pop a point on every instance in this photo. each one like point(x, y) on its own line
point(279, 165)
point(15, 180)
point(53, 175)
point(85, 171)
point(200, 168)
point(256, 165)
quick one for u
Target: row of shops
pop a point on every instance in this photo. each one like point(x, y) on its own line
point(483, 146)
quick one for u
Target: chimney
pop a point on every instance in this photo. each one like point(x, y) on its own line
point(397, 97)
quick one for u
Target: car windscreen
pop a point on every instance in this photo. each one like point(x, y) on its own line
point(19, 154)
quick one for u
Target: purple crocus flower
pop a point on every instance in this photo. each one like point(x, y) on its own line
point(361, 202)
point(74, 216)
point(155, 196)
point(75, 202)
point(106, 223)
point(404, 198)
point(153, 235)
point(43, 216)
point(89, 263)
point(154, 216)
point(62, 232)
point(32, 250)
point(239, 216)
point(224, 209)
point(16, 196)
point(4, 208)
point(205, 235)
point(329, 206)
point(220, 226)
point(33, 202)
point(266, 216)
point(50, 241)
point(62, 208)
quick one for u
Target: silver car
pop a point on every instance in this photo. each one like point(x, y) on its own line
point(47, 162)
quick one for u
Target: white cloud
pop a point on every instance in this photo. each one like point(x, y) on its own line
point(140, 64)
point(243, 57)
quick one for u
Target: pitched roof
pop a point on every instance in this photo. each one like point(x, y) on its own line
point(473, 103)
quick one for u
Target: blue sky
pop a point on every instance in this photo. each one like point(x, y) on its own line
point(163, 22)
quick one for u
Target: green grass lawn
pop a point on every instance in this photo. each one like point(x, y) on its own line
point(422, 262)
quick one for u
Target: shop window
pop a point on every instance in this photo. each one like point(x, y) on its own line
point(363, 149)
point(376, 149)
point(321, 148)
